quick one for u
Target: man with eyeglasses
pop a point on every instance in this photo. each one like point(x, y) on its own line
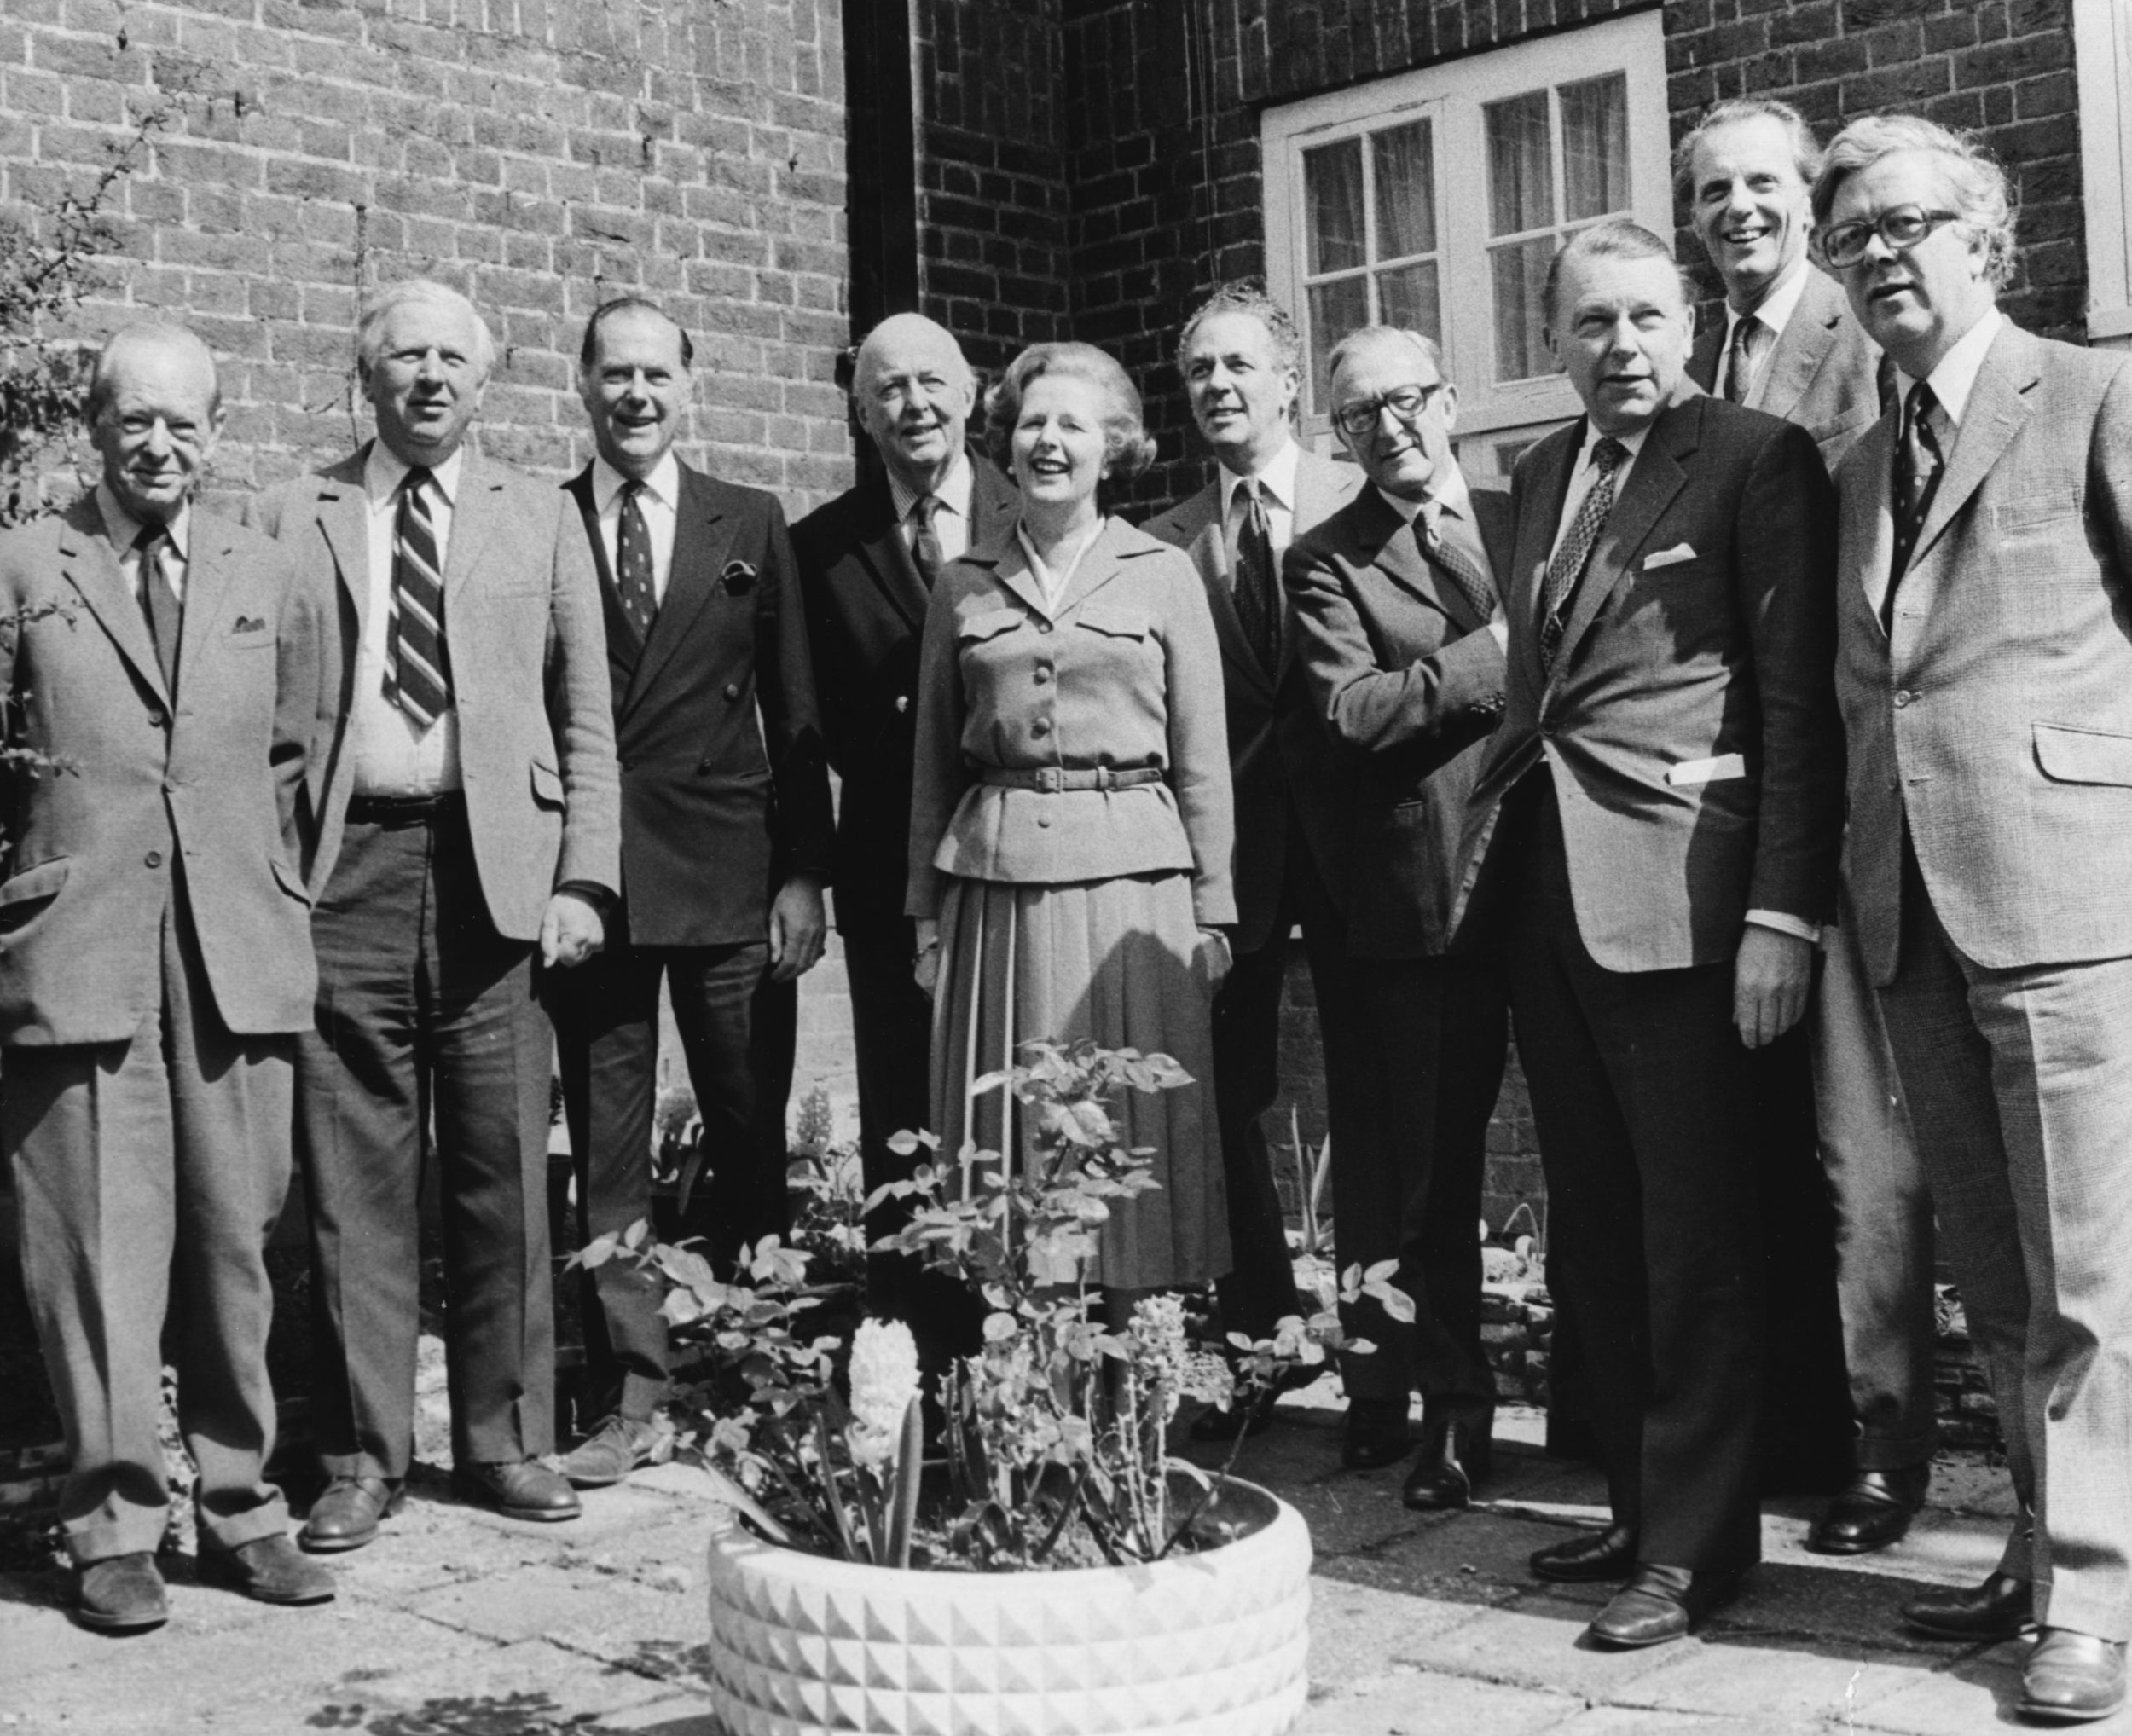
point(1399, 616)
point(1239, 358)
point(1985, 676)
point(1847, 1225)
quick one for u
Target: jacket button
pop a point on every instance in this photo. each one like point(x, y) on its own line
point(732, 689)
point(1043, 675)
point(1902, 697)
point(155, 719)
point(1043, 819)
point(1043, 626)
point(903, 702)
point(1042, 726)
point(154, 858)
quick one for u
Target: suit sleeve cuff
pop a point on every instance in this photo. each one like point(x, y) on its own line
point(598, 896)
point(1796, 926)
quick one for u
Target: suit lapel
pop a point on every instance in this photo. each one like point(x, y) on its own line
point(887, 558)
point(474, 530)
point(1003, 554)
point(1200, 518)
point(206, 584)
point(1702, 359)
point(1654, 480)
point(344, 520)
point(92, 566)
point(1999, 404)
point(702, 537)
point(1381, 528)
point(1808, 336)
point(1868, 528)
point(994, 502)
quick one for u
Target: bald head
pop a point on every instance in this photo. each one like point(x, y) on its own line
point(914, 392)
point(154, 414)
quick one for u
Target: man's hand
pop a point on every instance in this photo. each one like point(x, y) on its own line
point(925, 963)
point(797, 928)
point(1771, 980)
point(1214, 956)
point(570, 931)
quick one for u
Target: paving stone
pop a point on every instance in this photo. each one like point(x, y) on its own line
point(1424, 1703)
point(1744, 1677)
point(37, 1638)
point(668, 1717)
point(1961, 1700)
point(1463, 1547)
point(531, 1687)
point(1533, 1642)
point(1356, 1628)
point(1644, 1721)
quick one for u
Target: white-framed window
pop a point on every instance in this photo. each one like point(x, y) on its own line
point(1434, 198)
point(2102, 59)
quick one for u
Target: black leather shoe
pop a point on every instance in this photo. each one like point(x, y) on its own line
point(1455, 1456)
point(1588, 1558)
point(1377, 1434)
point(2001, 1608)
point(527, 1489)
point(1874, 1509)
point(346, 1515)
point(120, 1594)
point(2072, 1678)
point(1251, 1416)
point(1660, 1604)
point(270, 1569)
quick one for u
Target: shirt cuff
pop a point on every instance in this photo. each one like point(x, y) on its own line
point(599, 898)
point(1798, 929)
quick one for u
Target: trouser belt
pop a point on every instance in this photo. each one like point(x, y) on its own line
point(1050, 779)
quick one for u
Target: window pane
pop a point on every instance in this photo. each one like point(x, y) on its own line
point(1407, 298)
point(1596, 147)
point(1335, 309)
point(1521, 175)
point(1520, 275)
point(1406, 167)
point(1332, 190)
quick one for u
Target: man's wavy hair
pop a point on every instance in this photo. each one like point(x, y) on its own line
point(1977, 186)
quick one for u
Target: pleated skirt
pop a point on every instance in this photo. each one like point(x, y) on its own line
point(1116, 961)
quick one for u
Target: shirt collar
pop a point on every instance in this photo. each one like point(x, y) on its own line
point(383, 470)
point(1956, 377)
point(1634, 443)
point(664, 484)
point(1275, 479)
point(955, 491)
point(122, 527)
point(1448, 493)
point(1775, 309)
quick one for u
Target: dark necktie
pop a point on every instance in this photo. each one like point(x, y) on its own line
point(417, 679)
point(632, 563)
point(1568, 565)
point(1745, 354)
point(1918, 467)
point(925, 548)
point(1257, 592)
point(1474, 585)
point(159, 601)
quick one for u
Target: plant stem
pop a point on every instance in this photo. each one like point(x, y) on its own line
point(833, 1497)
point(909, 1464)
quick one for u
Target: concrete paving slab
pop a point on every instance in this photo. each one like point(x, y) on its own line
point(1354, 1627)
point(1644, 1721)
point(1426, 1703)
point(1741, 1676)
point(1531, 1643)
point(532, 1687)
point(1970, 1696)
point(689, 1716)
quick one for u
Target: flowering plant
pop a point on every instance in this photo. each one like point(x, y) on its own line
point(1054, 1434)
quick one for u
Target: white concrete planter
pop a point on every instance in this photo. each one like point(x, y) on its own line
point(1211, 1644)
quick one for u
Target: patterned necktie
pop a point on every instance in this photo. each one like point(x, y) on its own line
point(1257, 594)
point(925, 548)
point(1918, 467)
point(632, 563)
point(1568, 565)
point(1474, 585)
point(159, 601)
point(1746, 354)
point(416, 676)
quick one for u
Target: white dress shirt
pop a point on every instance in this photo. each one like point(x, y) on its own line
point(122, 528)
point(388, 753)
point(1448, 505)
point(1955, 378)
point(660, 502)
point(1774, 312)
point(950, 523)
point(1276, 487)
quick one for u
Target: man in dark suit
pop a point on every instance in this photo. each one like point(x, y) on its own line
point(1656, 825)
point(155, 969)
point(467, 828)
point(1985, 669)
point(725, 845)
point(1401, 630)
point(867, 562)
point(1241, 359)
point(1790, 345)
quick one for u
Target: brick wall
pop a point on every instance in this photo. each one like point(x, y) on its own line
point(540, 154)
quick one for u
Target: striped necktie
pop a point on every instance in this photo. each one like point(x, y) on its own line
point(417, 679)
point(925, 549)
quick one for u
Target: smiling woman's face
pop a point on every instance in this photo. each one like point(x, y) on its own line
point(1058, 440)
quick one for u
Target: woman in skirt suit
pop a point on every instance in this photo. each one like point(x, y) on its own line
point(1071, 827)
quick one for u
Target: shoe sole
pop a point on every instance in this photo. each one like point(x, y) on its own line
point(474, 1495)
point(1555, 1577)
point(2060, 1715)
point(1615, 1643)
point(1972, 1636)
point(98, 1622)
point(340, 1545)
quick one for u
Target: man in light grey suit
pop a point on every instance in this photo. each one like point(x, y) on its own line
point(469, 822)
point(1241, 358)
point(1789, 344)
point(155, 969)
point(1985, 675)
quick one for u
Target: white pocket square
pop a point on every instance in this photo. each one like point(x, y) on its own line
point(1669, 557)
point(1720, 770)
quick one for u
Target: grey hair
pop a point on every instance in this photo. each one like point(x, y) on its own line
point(1363, 337)
point(1983, 196)
point(1126, 445)
point(1247, 295)
point(1618, 240)
point(418, 291)
point(1806, 152)
point(158, 331)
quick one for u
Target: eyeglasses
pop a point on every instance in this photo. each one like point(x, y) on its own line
point(1902, 228)
point(1409, 403)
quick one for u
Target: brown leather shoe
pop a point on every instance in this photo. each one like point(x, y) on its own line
point(1660, 1604)
point(120, 1594)
point(1377, 1434)
point(2001, 1608)
point(1588, 1558)
point(527, 1489)
point(346, 1515)
point(270, 1569)
point(1873, 1510)
point(611, 1452)
point(2072, 1678)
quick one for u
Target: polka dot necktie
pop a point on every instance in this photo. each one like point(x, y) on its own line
point(1568, 565)
point(632, 563)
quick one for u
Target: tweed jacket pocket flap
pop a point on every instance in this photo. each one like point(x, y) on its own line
point(40, 882)
point(2069, 755)
point(547, 784)
point(1119, 624)
point(987, 623)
